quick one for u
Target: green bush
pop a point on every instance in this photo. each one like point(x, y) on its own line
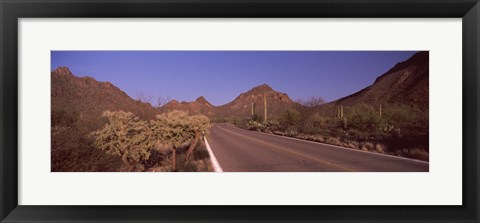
point(405, 116)
point(289, 119)
point(364, 118)
point(318, 121)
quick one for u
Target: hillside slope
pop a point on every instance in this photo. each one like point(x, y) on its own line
point(407, 82)
point(89, 97)
point(77, 104)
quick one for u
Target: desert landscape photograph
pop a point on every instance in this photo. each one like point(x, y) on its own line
point(239, 111)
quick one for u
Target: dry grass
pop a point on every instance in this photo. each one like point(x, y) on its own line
point(333, 141)
point(368, 146)
point(420, 154)
point(380, 148)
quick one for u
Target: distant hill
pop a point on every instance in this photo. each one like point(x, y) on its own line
point(242, 105)
point(407, 82)
point(88, 97)
point(199, 106)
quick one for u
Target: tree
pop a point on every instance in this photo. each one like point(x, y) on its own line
point(161, 101)
point(145, 97)
point(311, 102)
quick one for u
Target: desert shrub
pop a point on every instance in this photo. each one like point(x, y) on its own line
point(318, 138)
point(333, 140)
point(201, 152)
point(63, 117)
point(271, 125)
point(73, 151)
point(401, 115)
point(254, 125)
point(418, 153)
point(71, 147)
point(257, 118)
point(317, 120)
point(199, 163)
point(357, 135)
point(261, 126)
point(352, 144)
point(368, 146)
point(380, 148)
point(364, 118)
point(289, 119)
point(311, 102)
point(314, 124)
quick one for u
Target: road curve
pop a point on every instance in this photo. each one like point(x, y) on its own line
point(239, 150)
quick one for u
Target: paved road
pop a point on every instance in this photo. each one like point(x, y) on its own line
point(239, 150)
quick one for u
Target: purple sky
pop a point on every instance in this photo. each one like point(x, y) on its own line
point(220, 76)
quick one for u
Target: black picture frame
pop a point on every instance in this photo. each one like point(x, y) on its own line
point(11, 11)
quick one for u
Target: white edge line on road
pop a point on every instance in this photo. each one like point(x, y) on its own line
point(215, 164)
point(340, 147)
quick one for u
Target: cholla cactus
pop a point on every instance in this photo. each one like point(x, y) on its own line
point(126, 136)
point(133, 139)
point(177, 127)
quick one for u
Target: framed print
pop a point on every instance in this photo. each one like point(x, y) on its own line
point(239, 111)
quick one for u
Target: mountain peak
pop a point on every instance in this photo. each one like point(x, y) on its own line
point(260, 89)
point(416, 59)
point(62, 71)
point(173, 101)
point(201, 99)
point(407, 83)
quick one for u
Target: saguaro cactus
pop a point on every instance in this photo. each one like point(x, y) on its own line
point(380, 110)
point(265, 105)
point(340, 112)
point(253, 109)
